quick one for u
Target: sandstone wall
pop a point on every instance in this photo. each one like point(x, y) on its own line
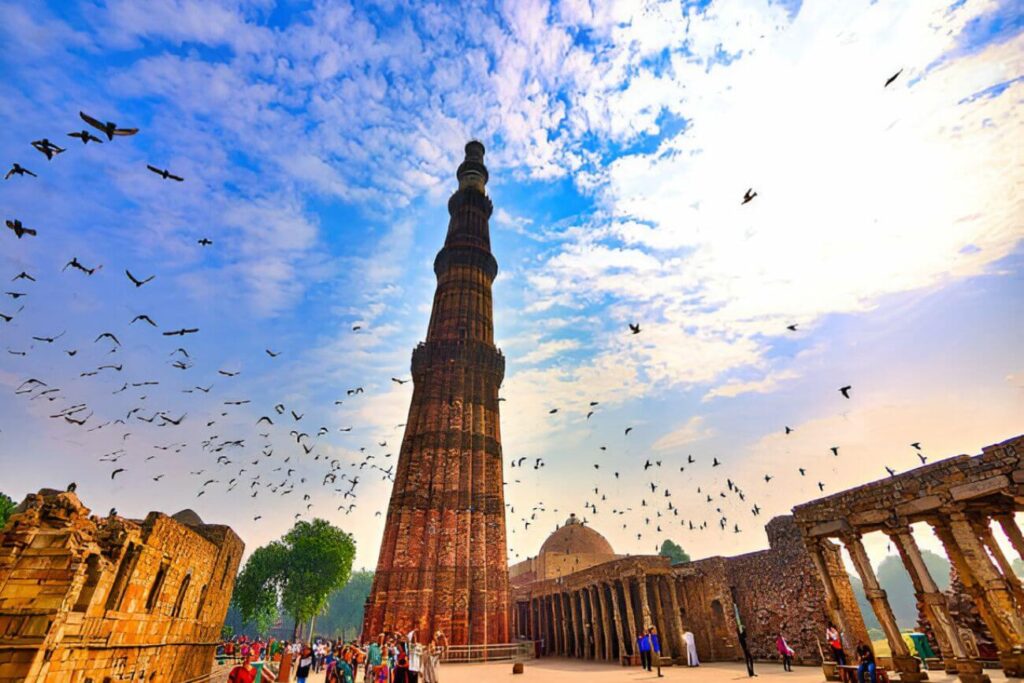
point(112, 599)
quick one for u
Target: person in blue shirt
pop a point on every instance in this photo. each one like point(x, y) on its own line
point(643, 645)
point(655, 648)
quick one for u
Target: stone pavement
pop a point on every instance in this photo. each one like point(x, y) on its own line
point(556, 670)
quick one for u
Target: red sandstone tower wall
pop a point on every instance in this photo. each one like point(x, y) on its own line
point(443, 561)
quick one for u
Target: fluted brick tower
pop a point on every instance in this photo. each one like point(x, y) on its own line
point(443, 558)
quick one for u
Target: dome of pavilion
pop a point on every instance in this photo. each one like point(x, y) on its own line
point(573, 538)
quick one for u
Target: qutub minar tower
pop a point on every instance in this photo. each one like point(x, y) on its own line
point(443, 562)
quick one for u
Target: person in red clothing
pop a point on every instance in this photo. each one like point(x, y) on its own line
point(243, 673)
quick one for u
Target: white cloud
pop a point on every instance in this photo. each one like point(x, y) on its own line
point(692, 431)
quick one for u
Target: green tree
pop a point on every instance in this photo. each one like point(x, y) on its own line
point(7, 506)
point(299, 573)
point(674, 552)
point(345, 607)
point(227, 632)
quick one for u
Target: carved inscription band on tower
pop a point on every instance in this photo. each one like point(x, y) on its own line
point(443, 562)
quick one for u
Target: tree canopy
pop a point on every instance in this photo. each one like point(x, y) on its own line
point(674, 552)
point(345, 607)
point(296, 574)
point(7, 506)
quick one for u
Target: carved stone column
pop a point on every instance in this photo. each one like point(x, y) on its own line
point(624, 640)
point(553, 621)
point(584, 640)
point(908, 666)
point(593, 636)
point(605, 623)
point(563, 619)
point(1013, 532)
point(676, 619)
point(933, 602)
point(832, 605)
point(632, 630)
point(645, 608)
point(984, 530)
point(664, 635)
point(574, 639)
point(996, 590)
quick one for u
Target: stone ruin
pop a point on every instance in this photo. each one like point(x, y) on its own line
point(87, 599)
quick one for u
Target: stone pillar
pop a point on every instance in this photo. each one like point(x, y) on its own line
point(645, 608)
point(574, 641)
point(563, 619)
point(835, 610)
point(908, 666)
point(664, 635)
point(973, 587)
point(606, 622)
point(617, 617)
point(593, 641)
point(533, 618)
point(581, 628)
point(1012, 532)
point(996, 590)
point(631, 629)
point(676, 619)
point(984, 531)
point(933, 603)
point(553, 621)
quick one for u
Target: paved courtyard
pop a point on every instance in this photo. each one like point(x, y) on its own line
point(556, 670)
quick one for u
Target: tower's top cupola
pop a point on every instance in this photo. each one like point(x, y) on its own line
point(472, 172)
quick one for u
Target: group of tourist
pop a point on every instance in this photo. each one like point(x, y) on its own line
point(391, 658)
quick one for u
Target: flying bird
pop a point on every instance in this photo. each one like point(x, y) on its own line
point(791, 328)
point(748, 196)
point(889, 81)
point(205, 242)
point(634, 328)
point(116, 472)
point(109, 128)
point(110, 336)
point(164, 173)
point(85, 136)
point(845, 391)
point(272, 354)
point(399, 381)
point(23, 276)
point(18, 169)
point(182, 332)
point(143, 318)
point(135, 281)
point(19, 229)
point(74, 263)
point(48, 148)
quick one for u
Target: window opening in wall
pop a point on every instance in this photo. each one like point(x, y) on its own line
point(92, 579)
point(158, 584)
point(124, 571)
point(181, 594)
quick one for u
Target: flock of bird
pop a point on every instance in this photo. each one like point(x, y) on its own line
point(243, 456)
point(233, 463)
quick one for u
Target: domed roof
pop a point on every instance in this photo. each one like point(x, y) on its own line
point(573, 538)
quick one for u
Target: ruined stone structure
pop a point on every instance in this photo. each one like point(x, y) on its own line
point(959, 499)
point(597, 611)
point(89, 599)
point(442, 561)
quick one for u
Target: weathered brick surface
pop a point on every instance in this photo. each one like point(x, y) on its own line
point(442, 562)
point(114, 599)
point(771, 590)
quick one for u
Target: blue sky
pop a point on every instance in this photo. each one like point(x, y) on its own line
point(319, 142)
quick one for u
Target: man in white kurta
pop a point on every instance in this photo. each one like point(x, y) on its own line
point(691, 650)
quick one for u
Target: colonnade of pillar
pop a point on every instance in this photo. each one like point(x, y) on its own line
point(984, 570)
point(602, 620)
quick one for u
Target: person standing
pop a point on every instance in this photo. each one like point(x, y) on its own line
point(747, 657)
point(243, 673)
point(415, 658)
point(835, 643)
point(652, 638)
point(643, 645)
point(305, 665)
point(785, 651)
point(691, 649)
point(432, 659)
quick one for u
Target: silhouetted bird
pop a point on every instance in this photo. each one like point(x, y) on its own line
point(85, 136)
point(19, 229)
point(889, 81)
point(845, 391)
point(48, 148)
point(109, 128)
point(748, 196)
point(164, 173)
point(18, 169)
